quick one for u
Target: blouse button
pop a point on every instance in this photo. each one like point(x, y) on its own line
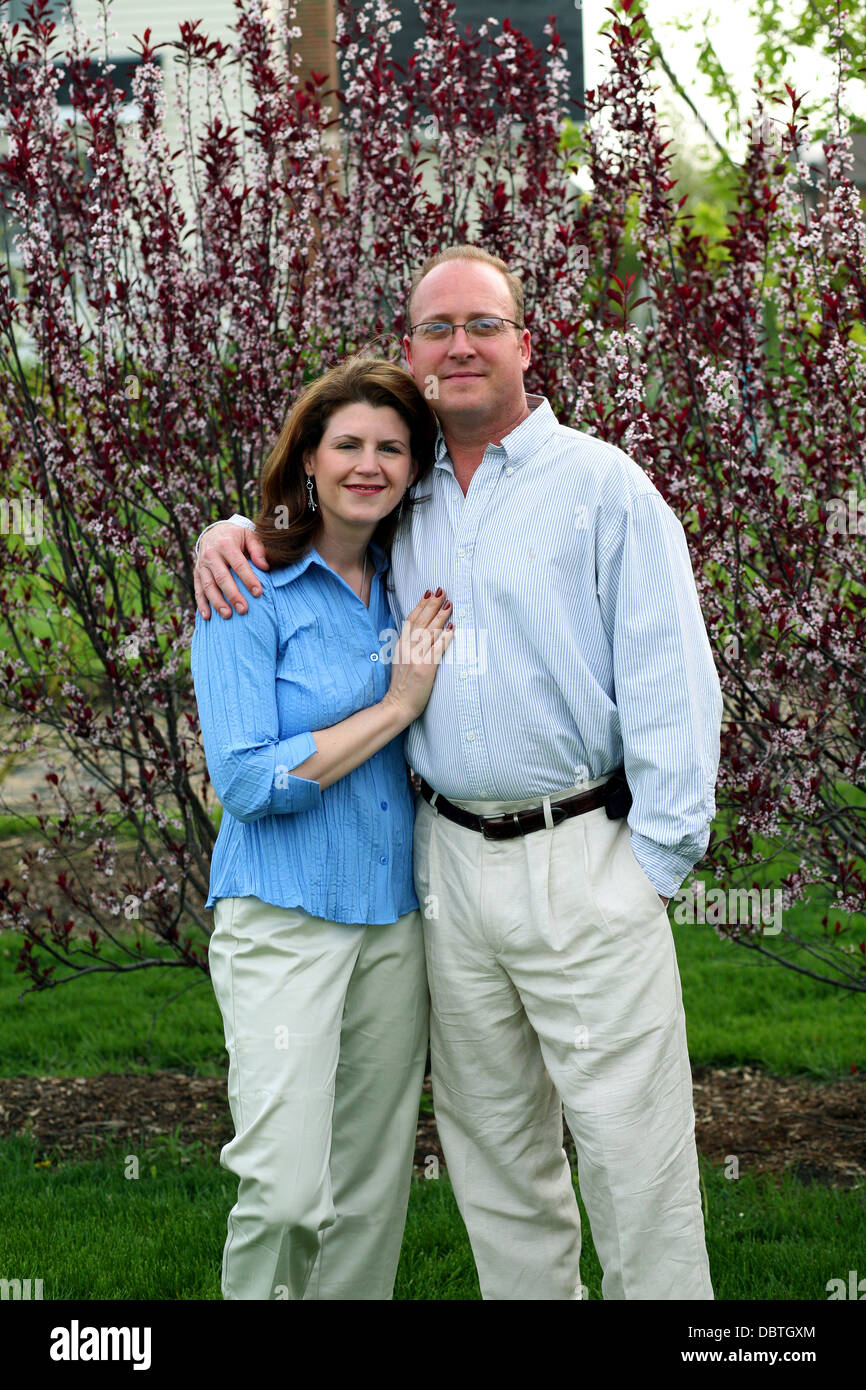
point(384, 805)
point(374, 656)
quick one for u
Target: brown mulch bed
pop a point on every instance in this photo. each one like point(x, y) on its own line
point(815, 1130)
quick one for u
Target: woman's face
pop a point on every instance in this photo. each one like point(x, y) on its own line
point(362, 466)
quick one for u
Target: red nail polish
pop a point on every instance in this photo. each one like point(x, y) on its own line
point(446, 605)
point(439, 593)
point(448, 627)
point(427, 595)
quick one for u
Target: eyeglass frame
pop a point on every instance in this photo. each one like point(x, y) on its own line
point(454, 326)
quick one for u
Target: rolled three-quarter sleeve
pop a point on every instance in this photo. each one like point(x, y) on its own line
point(234, 673)
point(667, 690)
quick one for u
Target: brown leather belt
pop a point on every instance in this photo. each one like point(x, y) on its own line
point(614, 795)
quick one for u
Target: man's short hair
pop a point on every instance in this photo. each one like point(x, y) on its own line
point(467, 252)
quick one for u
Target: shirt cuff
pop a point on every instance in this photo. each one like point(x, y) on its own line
point(665, 868)
point(293, 793)
point(236, 520)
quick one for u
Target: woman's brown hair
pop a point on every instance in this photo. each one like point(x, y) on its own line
point(285, 524)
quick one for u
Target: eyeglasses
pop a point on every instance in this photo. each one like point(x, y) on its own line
point(486, 327)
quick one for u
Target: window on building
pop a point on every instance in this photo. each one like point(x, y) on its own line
point(528, 16)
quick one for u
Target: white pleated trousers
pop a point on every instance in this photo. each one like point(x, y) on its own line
point(326, 1031)
point(554, 982)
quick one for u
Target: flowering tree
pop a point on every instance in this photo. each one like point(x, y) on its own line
point(166, 304)
point(744, 398)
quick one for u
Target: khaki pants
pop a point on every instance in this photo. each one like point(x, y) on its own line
point(553, 981)
point(326, 1031)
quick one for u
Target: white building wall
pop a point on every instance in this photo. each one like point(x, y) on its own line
point(163, 17)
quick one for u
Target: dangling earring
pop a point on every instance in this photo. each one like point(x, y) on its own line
point(310, 503)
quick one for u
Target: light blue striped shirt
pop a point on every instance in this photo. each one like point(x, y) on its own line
point(579, 641)
point(306, 656)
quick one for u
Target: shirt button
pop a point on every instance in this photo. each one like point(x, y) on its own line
point(374, 656)
point(384, 805)
point(509, 471)
point(462, 613)
point(464, 675)
point(470, 736)
point(461, 553)
point(383, 859)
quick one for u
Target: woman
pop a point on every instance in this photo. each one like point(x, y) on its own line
point(317, 955)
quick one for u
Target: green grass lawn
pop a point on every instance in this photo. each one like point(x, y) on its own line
point(740, 1009)
point(90, 1232)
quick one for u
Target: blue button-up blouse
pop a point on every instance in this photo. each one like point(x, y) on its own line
point(305, 656)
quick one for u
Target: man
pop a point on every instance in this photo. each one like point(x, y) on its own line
point(579, 646)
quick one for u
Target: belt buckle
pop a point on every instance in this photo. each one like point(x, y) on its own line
point(501, 819)
point(558, 815)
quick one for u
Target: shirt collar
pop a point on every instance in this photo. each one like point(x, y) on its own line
point(520, 444)
point(286, 573)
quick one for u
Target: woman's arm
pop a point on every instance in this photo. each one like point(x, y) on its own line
point(346, 745)
point(234, 674)
point(254, 772)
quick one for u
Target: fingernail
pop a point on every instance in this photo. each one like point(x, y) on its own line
point(446, 605)
point(439, 593)
point(255, 592)
point(239, 607)
point(448, 627)
point(427, 595)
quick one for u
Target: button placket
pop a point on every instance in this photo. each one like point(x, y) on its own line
point(476, 502)
point(375, 622)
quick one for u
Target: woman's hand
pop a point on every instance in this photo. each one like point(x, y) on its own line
point(420, 647)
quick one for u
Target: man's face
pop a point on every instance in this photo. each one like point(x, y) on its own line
point(468, 380)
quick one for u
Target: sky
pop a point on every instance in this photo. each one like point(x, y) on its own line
point(733, 36)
